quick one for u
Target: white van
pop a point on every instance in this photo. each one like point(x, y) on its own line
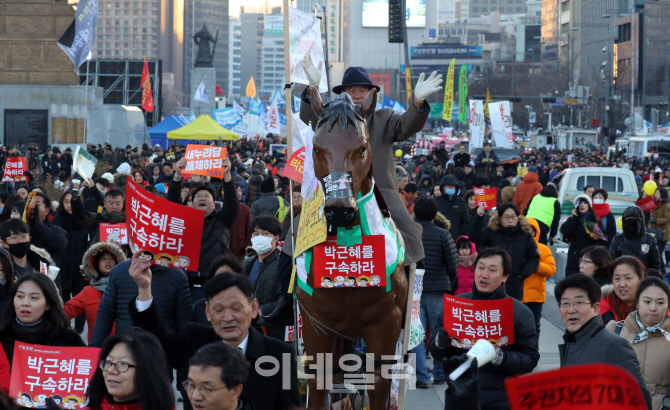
point(619, 183)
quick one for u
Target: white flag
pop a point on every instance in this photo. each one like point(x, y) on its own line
point(272, 119)
point(305, 34)
point(191, 118)
point(238, 109)
point(201, 94)
point(501, 124)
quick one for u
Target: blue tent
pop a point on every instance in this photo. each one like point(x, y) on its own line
point(158, 133)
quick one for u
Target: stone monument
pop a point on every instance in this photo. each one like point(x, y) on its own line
point(37, 79)
point(203, 71)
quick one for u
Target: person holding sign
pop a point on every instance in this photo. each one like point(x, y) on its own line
point(511, 231)
point(217, 225)
point(37, 316)
point(586, 340)
point(493, 268)
point(635, 241)
point(132, 374)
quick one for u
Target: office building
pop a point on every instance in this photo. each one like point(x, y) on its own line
point(128, 29)
point(234, 89)
point(251, 42)
point(272, 54)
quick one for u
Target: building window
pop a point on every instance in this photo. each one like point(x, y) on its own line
point(125, 53)
point(518, 10)
point(474, 10)
point(116, 52)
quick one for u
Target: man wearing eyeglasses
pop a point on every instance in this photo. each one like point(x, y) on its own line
point(586, 339)
point(216, 376)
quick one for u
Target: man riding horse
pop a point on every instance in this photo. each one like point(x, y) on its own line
point(385, 128)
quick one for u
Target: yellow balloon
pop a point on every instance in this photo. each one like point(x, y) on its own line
point(619, 222)
point(650, 187)
point(398, 153)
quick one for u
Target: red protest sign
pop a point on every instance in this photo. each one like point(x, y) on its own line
point(488, 198)
point(468, 320)
point(357, 266)
point(293, 168)
point(39, 372)
point(15, 169)
point(205, 160)
point(114, 232)
point(168, 233)
point(586, 387)
point(647, 204)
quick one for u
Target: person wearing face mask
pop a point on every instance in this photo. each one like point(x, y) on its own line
point(660, 217)
point(453, 207)
point(385, 128)
point(635, 241)
point(582, 230)
point(216, 226)
point(96, 264)
point(648, 331)
point(509, 230)
point(603, 213)
point(26, 258)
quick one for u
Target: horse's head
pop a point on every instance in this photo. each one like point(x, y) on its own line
point(342, 154)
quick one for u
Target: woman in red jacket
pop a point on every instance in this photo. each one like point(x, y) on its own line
point(97, 264)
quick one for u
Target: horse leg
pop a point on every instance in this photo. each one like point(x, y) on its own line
point(381, 341)
point(316, 342)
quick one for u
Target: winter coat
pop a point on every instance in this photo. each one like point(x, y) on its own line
point(239, 180)
point(506, 191)
point(169, 288)
point(441, 259)
point(240, 236)
point(469, 180)
point(461, 160)
point(253, 189)
point(5, 368)
point(535, 287)
point(608, 221)
point(266, 283)
point(87, 301)
point(641, 245)
point(593, 344)
point(573, 231)
point(442, 156)
point(653, 355)
point(486, 168)
point(428, 169)
point(519, 358)
point(424, 189)
point(455, 210)
point(526, 190)
point(387, 128)
point(466, 275)
point(267, 204)
point(58, 165)
point(35, 257)
point(409, 204)
point(92, 221)
point(552, 222)
point(53, 239)
point(216, 226)
point(518, 242)
point(46, 164)
point(106, 405)
point(13, 333)
point(662, 217)
point(5, 289)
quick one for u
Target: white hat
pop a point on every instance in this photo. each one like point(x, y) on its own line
point(406, 156)
point(123, 168)
point(109, 177)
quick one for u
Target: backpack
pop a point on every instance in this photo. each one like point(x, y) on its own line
point(427, 172)
point(282, 211)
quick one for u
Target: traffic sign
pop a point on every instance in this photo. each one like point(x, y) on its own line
point(531, 117)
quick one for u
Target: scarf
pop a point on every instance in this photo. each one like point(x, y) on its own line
point(620, 309)
point(601, 210)
point(648, 331)
point(100, 284)
point(467, 261)
point(593, 230)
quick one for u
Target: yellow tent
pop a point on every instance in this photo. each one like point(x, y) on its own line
point(203, 128)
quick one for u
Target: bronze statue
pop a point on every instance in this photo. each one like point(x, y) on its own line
point(202, 38)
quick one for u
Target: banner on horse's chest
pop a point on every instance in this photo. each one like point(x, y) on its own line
point(339, 185)
point(357, 266)
point(468, 320)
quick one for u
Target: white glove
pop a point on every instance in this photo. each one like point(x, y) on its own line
point(313, 72)
point(425, 88)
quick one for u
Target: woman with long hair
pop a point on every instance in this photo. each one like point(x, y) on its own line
point(627, 273)
point(132, 374)
point(596, 262)
point(648, 330)
point(36, 316)
point(582, 230)
point(141, 177)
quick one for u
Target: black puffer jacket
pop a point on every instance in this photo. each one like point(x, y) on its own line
point(441, 259)
point(169, 288)
point(454, 208)
point(217, 225)
point(519, 243)
point(573, 231)
point(49, 237)
point(519, 358)
point(639, 243)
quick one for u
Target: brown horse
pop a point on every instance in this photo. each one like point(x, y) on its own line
point(331, 316)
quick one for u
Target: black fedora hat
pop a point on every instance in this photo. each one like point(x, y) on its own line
point(354, 76)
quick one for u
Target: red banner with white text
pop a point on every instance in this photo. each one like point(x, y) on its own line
point(15, 169)
point(356, 266)
point(488, 198)
point(468, 320)
point(63, 373)
point(168, 234)
point(117, 233)
point(647, 204)
point(294, 166)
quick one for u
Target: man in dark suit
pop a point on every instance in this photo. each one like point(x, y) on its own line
point(231, 306)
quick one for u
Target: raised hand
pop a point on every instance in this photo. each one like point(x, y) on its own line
point(179, 167)
point(425, 88)
point(313, 72)
point(140, 271)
